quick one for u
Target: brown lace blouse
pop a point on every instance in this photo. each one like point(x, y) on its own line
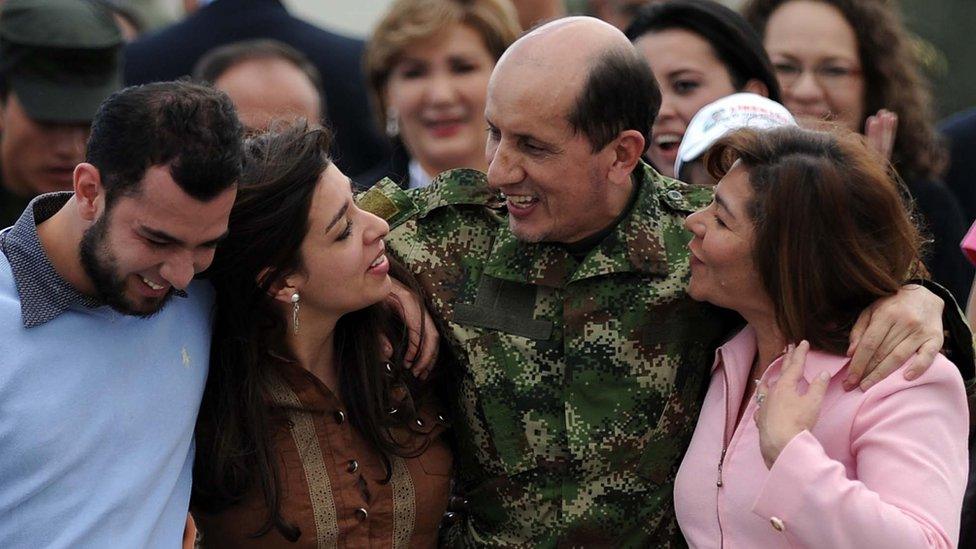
point(331, 482)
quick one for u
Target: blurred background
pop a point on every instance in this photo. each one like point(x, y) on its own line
point(944, 29)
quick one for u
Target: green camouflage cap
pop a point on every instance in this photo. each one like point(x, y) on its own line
point(61, 57)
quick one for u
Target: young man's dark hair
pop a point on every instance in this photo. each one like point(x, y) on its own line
point(189, 127)
point(619, 94)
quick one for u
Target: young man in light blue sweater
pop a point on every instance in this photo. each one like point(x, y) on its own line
point(104, 336)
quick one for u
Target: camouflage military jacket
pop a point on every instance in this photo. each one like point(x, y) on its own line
point(581, 381)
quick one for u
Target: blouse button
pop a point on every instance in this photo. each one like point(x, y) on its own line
point(353, 466)
point(340, 417)
point(361, 514)
point(777, 524)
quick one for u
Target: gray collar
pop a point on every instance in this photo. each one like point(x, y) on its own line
point(43, 293)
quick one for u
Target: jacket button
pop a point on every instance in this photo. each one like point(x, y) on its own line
point(674, 195)
point(420, 422)
point(340, 417)
point(777, 524)
point(353, 466)
point(362, 514)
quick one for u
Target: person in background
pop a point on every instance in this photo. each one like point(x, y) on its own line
point(427, 66)
point(619, 13)
point(266, 80)
point(172, 53)
point(782, 455)
point(59, 59)
point(849, 62)
point(959, 131)
point(126, 16)
point(699, 51)
point(307, 437)
point(733, 112)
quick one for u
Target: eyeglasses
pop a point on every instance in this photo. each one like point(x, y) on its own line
point(828, 76)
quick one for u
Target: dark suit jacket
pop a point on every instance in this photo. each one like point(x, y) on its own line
point(942, 219)
point(960, 131)
point(172, 52)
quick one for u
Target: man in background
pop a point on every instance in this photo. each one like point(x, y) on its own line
point(59, 59)
point(267, 80)
point(173, 52)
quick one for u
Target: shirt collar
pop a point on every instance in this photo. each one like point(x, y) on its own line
point(43, 293)
point(738, 353)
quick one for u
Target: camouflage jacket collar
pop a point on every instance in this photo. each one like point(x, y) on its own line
point(635, 245)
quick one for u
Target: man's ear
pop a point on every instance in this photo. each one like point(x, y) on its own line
point(89, 192)
point(626, 152)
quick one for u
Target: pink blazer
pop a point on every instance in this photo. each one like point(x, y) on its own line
point(883, 468)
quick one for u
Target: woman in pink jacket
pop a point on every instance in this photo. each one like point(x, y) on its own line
point(806, 230)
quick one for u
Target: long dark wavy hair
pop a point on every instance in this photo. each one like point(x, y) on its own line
point(237, 419)
point(892, 78)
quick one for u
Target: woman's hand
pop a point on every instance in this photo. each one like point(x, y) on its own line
point(782, 412)
point(880, 130)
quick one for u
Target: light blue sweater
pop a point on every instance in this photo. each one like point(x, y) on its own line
point(97, 411)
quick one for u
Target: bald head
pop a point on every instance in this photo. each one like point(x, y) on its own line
point(589, 66)
point(546, 45)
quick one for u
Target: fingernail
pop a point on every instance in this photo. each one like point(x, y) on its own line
point(866, 384)
point(910, 375)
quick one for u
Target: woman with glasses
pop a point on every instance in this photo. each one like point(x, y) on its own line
point(850, 62)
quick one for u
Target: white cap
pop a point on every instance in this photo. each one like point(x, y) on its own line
point(739, 110)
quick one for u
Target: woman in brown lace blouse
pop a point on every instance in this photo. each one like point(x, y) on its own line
point(306, 436)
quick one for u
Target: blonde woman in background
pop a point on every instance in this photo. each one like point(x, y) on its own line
point(427, 68)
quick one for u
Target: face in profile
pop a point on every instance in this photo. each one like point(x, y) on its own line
point(815, 54)
point(344, 264)
point(722, 270)
point(437, 91)
point(37, 157)
point(148, 243)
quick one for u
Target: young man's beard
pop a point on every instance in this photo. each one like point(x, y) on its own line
point(100, 266)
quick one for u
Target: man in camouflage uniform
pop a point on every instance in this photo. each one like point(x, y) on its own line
point(584, 359)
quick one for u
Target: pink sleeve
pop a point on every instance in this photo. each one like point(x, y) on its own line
point(909, 443)
point(968, 244)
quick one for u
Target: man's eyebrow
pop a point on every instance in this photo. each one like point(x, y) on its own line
point(167, 238)
point(725, 206)
point(161, 236)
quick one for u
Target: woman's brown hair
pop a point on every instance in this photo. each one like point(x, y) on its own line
point(832, 232)
point(891, 76)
